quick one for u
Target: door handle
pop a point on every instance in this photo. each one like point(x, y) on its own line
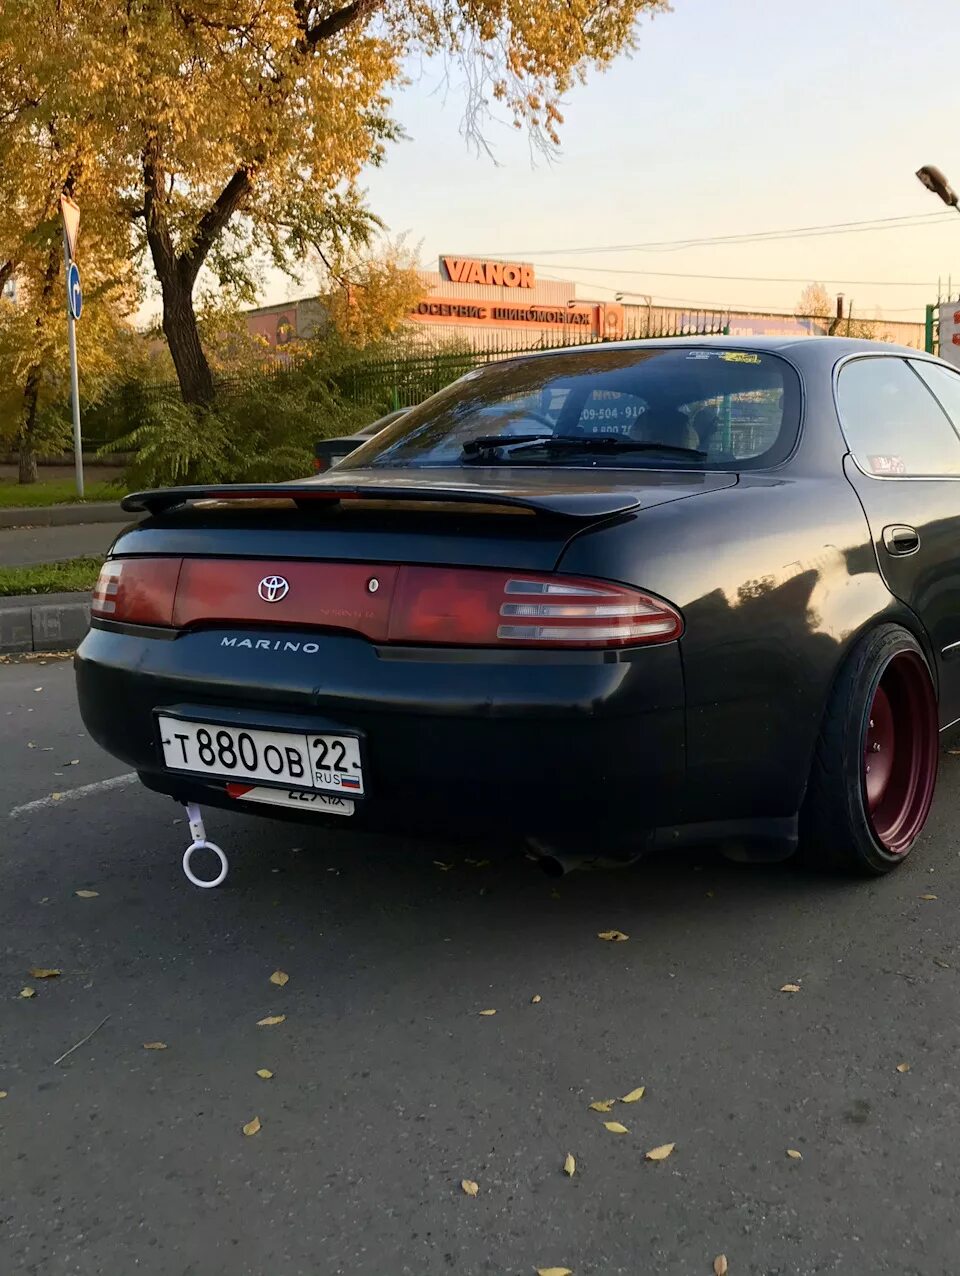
point(900, 540)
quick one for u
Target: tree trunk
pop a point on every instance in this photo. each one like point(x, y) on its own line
point(183, 338)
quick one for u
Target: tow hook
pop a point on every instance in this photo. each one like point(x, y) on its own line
point(200, 843)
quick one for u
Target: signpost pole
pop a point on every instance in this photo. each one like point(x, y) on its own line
point(74, 379)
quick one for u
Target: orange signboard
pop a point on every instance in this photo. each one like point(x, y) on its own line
point(499, 315)
point(499, 274)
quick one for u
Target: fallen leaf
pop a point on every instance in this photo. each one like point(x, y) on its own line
point(488, 1012)
point(710, 894)
point(602, 1105)
point(3, 1094)
point(927, 897)
point(265, 1073)
point(469, 1187)
point(41, 972)
point(614, 936)
point(270, 1021)
point(55, 797)
point(38, 688)
point(794, 1155)
point(554, 1271)
point(720, 1267)
point(790, 988)
point(280, 977)
point(86, 894)
point(615, 1127)
point(661, 1153)
point(944, 965)
point(535, 999)
point(634, 1095)
point(28, 992)
point(444, 868)
point(252, 1127)
point(569, 1165)
point(31, 745)
point(903, 1067)
point(73, 762)
point(154, 1045)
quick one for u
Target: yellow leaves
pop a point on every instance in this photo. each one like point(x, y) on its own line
point(661, 1153)
point(602, 1105)
point(794, 1155)
point(535, 999)
point(469, 1187)
point(43, 972)
point(615, 1127)
point(926, 897)
point(265, 1073)
point(569, 1165)
point(487, 1012)
point(790, 988)
point(903, 1067)
point(28, 992)
point(87, 894)
point(280, 978)
point(720, 1265)
point(270, 1021)
point(154, 1045)
point(252, 1127)
point(554, 1271)
point(3, 1094)
point(613, 936)
point(634, 1095)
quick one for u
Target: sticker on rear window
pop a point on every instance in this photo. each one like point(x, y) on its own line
point(887, 464)
point(739, 356)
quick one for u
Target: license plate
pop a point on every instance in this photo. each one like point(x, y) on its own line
point(293, 759)
point(299, 799)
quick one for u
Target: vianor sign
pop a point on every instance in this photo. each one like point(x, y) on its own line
point(499, 274)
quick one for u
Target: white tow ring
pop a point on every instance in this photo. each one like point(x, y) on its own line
point(200, 843)
point(191, 875)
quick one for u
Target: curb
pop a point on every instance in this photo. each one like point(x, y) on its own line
point(38, 623)
point(64, 515)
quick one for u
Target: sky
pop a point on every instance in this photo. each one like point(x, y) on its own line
point(732, 117)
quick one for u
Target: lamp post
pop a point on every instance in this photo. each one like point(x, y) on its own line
point(935, 181)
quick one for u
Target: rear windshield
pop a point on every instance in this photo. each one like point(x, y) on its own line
point(684, 408)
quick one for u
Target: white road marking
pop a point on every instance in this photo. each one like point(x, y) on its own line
point(70, 795)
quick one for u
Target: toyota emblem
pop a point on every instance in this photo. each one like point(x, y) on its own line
point(272, 588)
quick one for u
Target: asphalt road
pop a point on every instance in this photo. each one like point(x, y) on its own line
point(390, 1087)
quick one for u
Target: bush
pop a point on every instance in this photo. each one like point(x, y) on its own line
point(261, 429)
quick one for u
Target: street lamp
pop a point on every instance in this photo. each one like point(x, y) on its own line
point(935, 181)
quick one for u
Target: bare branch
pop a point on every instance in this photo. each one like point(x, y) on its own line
point(334, 22)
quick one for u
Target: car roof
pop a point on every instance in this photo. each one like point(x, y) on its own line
point(825, 348)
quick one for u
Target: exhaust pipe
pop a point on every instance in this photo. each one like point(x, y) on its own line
point(554, 862)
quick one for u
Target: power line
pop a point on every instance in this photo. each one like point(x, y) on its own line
point(754, 279)
point(796, 232)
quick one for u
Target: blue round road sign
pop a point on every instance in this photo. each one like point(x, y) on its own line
point(74, 291)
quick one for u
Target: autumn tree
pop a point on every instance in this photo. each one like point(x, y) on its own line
point(46, 151)
point(814, 302)
point(369, 293)
point(244, 125)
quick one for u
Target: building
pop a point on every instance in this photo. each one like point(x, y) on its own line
point(503, 305)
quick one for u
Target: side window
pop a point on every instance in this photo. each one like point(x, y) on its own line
point(944, 384)
point(892, 423)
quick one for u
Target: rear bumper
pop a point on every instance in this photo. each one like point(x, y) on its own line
point(516, 744)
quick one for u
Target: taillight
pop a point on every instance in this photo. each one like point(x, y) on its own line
point(320, 464)
point(475, 607)
point(140, 591)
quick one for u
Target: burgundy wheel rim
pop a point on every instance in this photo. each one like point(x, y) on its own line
point(900, 753)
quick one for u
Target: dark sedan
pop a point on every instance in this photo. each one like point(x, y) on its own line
point(327, 452)
point(602, 600)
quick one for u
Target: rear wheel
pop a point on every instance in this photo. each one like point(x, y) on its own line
point(875, 766)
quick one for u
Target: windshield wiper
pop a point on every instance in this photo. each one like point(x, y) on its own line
point(511, 443)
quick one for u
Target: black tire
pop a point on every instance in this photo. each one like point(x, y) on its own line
point(850, 820)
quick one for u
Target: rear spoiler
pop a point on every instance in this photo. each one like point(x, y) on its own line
point(571, 504)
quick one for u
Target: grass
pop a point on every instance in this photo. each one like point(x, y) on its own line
point(50, 578)
point(54, 492)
